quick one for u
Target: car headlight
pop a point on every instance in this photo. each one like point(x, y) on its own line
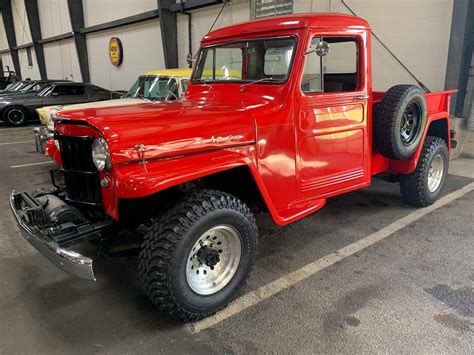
point(101, 155)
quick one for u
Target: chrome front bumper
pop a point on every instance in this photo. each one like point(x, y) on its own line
point(42, 135)
point(68, 261)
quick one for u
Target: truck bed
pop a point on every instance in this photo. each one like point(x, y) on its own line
point(438, 109)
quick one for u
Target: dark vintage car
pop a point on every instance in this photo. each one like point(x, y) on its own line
point(17, 110)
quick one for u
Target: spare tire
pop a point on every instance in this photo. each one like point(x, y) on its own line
point(399, 121)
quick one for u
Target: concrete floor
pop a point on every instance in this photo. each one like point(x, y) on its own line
point(412, 292)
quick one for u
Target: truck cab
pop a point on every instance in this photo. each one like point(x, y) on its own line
point(279, 116)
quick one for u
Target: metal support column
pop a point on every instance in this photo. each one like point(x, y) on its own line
point(76, 14)
point(7, 15)
point(169, 32)
point(460, 54)
point(35, 29)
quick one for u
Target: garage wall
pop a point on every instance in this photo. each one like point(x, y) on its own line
point(61, 60)
point(7, 61)
point(27, 71)
point(3, 35)
point(96, 12)
point(54, 17)
point(20, 21)
point(23, 36)
point(235, 12)
point(416, 31)
point(142, 52)
point(60, 57)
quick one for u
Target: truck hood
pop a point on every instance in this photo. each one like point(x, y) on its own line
point(48, 110)
point(164, 129)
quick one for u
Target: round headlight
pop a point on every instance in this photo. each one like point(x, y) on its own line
point(100, 155)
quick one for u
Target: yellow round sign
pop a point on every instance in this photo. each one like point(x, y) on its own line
point(115, 51)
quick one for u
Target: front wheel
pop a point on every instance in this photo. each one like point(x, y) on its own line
point(197, 256)
point(423, 186)
point(15, 116)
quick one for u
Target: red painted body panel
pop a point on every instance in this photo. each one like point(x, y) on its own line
point(167, 128)
point(53, 152)
point(300, 149)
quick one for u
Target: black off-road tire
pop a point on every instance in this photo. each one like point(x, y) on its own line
point(414, 186)
point(165, 251)
point(388, 121)
point(15, 123)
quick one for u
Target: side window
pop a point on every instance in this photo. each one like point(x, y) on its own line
point(99, 91)
point(335, 72)
point(79, 90)
point(68, 90)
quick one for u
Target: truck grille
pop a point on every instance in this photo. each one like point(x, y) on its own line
point(80, 174)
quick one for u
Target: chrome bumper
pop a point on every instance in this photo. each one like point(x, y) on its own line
point(68, 261)
point(42, 135)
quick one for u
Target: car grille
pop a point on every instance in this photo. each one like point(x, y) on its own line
point(80, 174)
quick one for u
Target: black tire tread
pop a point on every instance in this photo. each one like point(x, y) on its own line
point(166, 233)
point(392, 101)
point(412, 185)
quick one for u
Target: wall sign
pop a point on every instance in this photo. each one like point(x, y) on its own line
point(115, 51)
point(269, 8)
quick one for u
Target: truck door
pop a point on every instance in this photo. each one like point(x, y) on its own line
point(331, 117)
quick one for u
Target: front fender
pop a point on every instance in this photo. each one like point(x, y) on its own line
point(52, 151)
point(140, 180)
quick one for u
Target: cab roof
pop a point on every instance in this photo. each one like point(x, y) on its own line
point(171, 72)
point(315, 20)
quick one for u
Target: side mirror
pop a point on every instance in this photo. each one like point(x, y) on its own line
point(322, 48)
point(54, 94)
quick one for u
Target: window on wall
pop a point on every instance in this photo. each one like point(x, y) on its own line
point(269, 8)
point(335, 72)
point(29, 56)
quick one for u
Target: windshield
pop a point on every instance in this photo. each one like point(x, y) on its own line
point(246, 61)
point(159, 88)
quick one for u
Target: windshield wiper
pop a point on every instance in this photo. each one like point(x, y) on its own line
point(242, 87)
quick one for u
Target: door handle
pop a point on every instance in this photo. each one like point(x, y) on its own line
point(360, 97)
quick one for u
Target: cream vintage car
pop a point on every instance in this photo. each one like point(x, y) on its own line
point(157, 85)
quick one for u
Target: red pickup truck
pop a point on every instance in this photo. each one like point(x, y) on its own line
point(279, 116)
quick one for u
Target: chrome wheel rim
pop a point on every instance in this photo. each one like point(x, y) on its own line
point(435, 174)
point(410, 125)
point(214, 260)
point(15, 115)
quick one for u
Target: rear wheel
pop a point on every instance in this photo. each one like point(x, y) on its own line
point(197, 256)
point(423, 186)
point(15, 116)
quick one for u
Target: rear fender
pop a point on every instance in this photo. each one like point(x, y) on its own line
point(437, 125)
